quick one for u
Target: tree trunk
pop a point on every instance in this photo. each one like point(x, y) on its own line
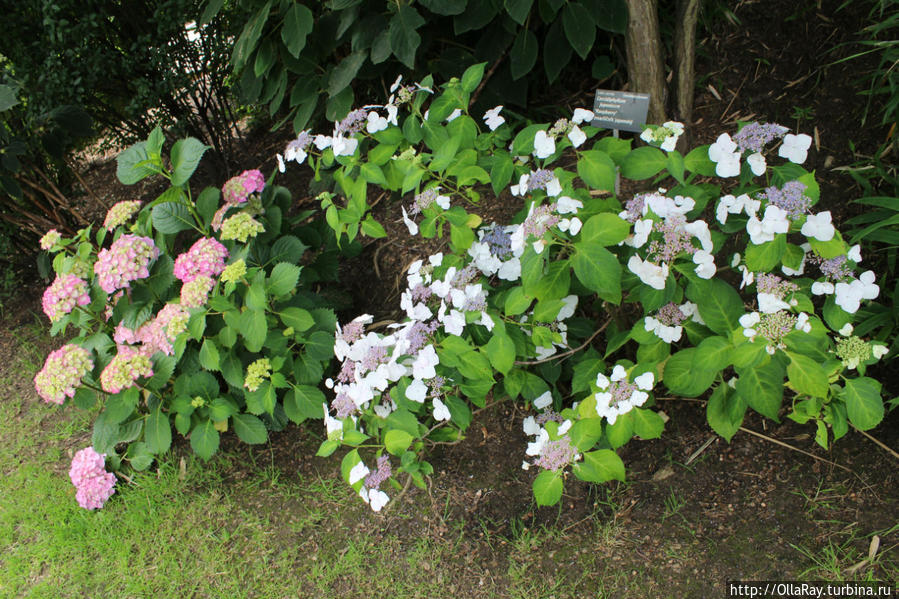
point(684, 57)
point(645, 69)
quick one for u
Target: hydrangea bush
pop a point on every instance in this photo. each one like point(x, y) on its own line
point(716, 278)
point(724, 282)
point(174, 304)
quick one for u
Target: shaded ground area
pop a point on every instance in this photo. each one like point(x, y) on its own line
point(695, 512)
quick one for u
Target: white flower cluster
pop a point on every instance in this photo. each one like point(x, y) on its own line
point(664, 136)
point(617, 396)
point(726, 153)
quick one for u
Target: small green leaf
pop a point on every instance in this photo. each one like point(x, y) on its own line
point(472, 76)
point(249, 429)
point(397, 441)
point(283, 279)
point(864, 404)
point(548, 487)
point(158, 432)
point(185, 156)
point(600, 466)
point(724, 411)
point(204, 439)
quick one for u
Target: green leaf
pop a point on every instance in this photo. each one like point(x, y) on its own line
point(524, 54)
point(600, 466)
point(720, 306)
point(556, 51)
point(647, 424)
point(105, 435)
point(724, 411)
point(580, 28)
point(8, 97)
point(121, 405)
point(684, 376)
point(288, 249)
point(517, 301)
point(297, 318)
point(697, 161)
point(304, 401)
point(253, 328)
point(762, 388)
point(283, 279)
point(249, 37)
point(518, 9)
point(298, 23)
point(605, 229)
point(221, 409)
point(501, 352)
point(610, 15)
point(596, 169)
point(204, 439)
point(397, 441)
point(807, 376)
point(472, 76)
point(320, 345)
point(249, 429)
point(185, 156)
point(714, 353)
point(158, 432)
point(764, 257)
point(501, 171)
point(344, 73)
point(548, 487)
point(864, 404)
point(404, 39)
point(643, 163)
point(445, 7)
point(585, 433)
point(209, 355)
point(171, 217)
point(599, 270)
point(131, 165)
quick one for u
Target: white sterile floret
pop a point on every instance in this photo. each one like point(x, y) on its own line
point(846, 329)
point(510, 270)
point(396, 83)
point(668, 334)
point(747, 321)
point(333, 426)
point(344, 146)
point(454, 115)
point(602, 381)
point(564, 427)
point(441, 412)
point(539, 246)
point(848, 296)
point(648, 273)
point(280, 159)
point(410, 224)
point(724, 153)
point(566, 205)
point(618, 373)
point(757, 164)
point(544, 145)
point(705, 264)
point(576, 136)
point(377, 499)
point(536, 446)
point(493, 119)
point(855, 253)
point(443, 202)
point(321, 142)
point(819, 226)
point(358, 472)
point(392, 112)
point(375, 122)
point(570, 225)
point(795, 147)
point(774, 221)
point(666, 207)
point(582, 115)
point(567, 311)
point(543, 401)
point(417, 391)
point(879, 350)
point(642, 229)
point(822, 288)
point(423, 366)
point(530, 426)
point(770, 303)
point(553, 187)
point(645, 381)
point(802, 323)
point(700, 230)
point(520, 188)
point(735, 260)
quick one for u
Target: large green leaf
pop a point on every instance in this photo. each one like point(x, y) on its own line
point(249, 429)
point(397, 441)
point(524, 53)
point(599, 270)
point(604, 229)
point(171, 217)
point(518, 9)
point(807, 376)
point(597, 169)
point(548, 487)
point(720, 306)
point(580, 28)
point(724, 411)
point(253, 328)
point(643, 163)
point(344, 73)
point(204, 439)
point(762, 388)
point(404, 39)
point(158, 432)
point(684, 375)
point(132, 166)
point(863, 402)
point(298, 23)
point(283, 279)
point(185, 156)
point(600, 466)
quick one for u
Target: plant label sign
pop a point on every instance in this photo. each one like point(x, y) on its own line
point(625, 111)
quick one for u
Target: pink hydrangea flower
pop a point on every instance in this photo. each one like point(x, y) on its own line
point(128, 365)
point(93, 484)
point(195, 292)
point(158, 334)
point(62, 373)
point(237, 189)
point(128, 259)
point(50, 239)
point(205, 258)
point(63, 295)
point(120, 213)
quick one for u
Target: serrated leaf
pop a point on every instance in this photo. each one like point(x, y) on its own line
point(283, 279)
point(548, 487)
point(600, 466)
point(397, 441)
point(171, 217)
point(185, 156)
point(133, 165)
point(158, 432)
point(605, 229)
point(204, 439)
point(580, 28)
point(864, 404)
point(599, 270)
point(298, 23)
point(249, 429)
point(724, 411)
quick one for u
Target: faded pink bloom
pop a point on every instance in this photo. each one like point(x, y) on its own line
point(205, 258)
point(128, 259)
point(63, 295)
point(93, 483)
point(62, 373)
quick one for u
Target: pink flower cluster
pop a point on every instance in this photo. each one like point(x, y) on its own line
point(205, 258)
point(237, 189)
point(51, 238)
point(120, 213)
point(62, 373)
point(128, 259)
point(125, 368)
point(63, 295)
point(195, 292)
point(93, 483)
point(158, 334)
